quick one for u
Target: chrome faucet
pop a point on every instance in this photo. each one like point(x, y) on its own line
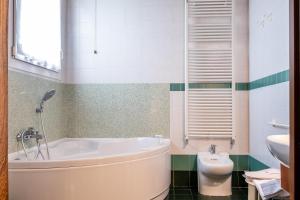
point(212, 149)
point(26, 135)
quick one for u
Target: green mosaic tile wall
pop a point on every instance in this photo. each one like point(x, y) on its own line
point(118, 110)
point(88, 110)
point(24, 94)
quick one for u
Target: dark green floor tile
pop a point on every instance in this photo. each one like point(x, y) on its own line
point(183, 197)
point(201, 197)
point(181, 178)
point(169, 197)
point(241, 180)
point(172, 179)
point(239, 194)
point(193, 179)
point(238, 181)
point(220, 198)
point(235, 179)
point(182, 192)
point(171, 191)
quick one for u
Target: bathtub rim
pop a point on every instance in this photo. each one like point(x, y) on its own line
point(91, 161)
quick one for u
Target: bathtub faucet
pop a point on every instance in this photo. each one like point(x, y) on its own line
point(30, 133)
point(212, 149)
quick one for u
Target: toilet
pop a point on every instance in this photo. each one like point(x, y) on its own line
point(214, 174)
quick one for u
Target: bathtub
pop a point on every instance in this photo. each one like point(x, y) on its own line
point(93, 169)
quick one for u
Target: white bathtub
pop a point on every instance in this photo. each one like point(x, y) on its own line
point(94, 169)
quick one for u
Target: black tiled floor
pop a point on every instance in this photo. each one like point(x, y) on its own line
point(192, 194)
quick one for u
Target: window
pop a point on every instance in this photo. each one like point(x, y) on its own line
point(37, 38)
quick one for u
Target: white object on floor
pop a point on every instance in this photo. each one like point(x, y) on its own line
point(268, 188)
point(214, 174)
point(265, 174)
point(252, 192)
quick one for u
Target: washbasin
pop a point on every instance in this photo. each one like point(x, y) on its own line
point(279, 146)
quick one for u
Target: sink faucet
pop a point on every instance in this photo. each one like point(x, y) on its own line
point(212, 149)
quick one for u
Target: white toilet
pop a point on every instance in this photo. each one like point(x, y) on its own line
point(214, 174)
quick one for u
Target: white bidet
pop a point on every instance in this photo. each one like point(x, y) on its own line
point(214, 174)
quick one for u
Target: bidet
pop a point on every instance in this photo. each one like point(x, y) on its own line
point(214, 174)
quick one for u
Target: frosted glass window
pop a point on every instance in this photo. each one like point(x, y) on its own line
point(38, 33)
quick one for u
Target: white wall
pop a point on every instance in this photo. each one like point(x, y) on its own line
point(138, 41)
point(269, 54)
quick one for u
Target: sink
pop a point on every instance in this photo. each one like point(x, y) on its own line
point(279, 146)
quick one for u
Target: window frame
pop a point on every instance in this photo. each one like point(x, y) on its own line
point(15, 36)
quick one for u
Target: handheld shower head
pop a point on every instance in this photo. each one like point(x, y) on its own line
point(48, 95)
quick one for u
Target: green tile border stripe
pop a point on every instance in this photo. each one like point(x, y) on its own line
point(181, 86)
point(210, 85)
point(184, 162)
point(241, 163)
point(255, 164)
point(273, 79)
point(242, 86)
point(177, 87)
